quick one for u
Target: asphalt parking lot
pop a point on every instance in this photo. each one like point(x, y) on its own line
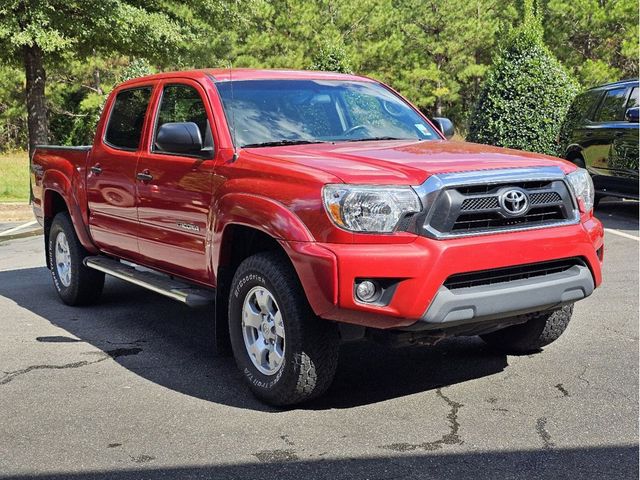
point(131, 389)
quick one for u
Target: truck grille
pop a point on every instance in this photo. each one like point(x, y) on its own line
point(508, 274)
point(478, 209)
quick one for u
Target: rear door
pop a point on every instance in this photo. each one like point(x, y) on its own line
point(111, 193)
point(174, 198)
point(605, 126)
point(601, 134)
point(623, 159)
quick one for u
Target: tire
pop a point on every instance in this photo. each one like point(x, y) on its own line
point(578, 161)
point(299, 365)
point(543, 329)
point(75, 283)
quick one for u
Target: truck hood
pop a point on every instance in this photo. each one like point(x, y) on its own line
point(405, 162)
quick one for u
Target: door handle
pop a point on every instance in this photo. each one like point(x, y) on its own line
point(619, 133)
point(96, 169)
point(144, 176)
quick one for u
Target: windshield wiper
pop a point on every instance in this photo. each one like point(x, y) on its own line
point(280, 143)
point(373, 139)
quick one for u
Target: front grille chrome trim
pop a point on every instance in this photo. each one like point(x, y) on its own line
point(431, 190)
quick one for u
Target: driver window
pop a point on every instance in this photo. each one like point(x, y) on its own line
point(182, 103)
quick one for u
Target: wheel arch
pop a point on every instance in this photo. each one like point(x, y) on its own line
point(573, 153)
point(238, 241)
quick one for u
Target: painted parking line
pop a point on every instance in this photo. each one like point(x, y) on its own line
point(18, 228)
point(622, 234)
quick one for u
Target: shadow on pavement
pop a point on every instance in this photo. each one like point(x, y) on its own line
point(171, 345)
point(617, 462)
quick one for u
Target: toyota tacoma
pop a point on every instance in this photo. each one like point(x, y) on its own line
point(308, 208)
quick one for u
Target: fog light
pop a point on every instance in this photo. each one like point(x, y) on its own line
point(367, 291)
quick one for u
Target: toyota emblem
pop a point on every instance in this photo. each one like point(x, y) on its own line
point(514, 202)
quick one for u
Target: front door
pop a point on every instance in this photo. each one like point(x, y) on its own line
point(111, 193)
point(175, 190)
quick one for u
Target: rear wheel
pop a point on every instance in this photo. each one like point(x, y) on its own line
point(286, 354)
point(543, 329)
point(578, 161)
point(75, 283)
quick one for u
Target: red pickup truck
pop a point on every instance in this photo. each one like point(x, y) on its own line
point(310, 208)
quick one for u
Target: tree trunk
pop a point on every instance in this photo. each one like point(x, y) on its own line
point(36, 105)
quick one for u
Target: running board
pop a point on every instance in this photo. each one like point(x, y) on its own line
point(157, 282)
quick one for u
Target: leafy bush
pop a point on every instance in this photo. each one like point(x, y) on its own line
point(332, 57)
point(525, 96)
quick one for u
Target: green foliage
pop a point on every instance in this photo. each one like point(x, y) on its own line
point(597, 40)
point(525, 96)
point(332, 57)
point(14, 177)
point(139, 67)
point(13, 114)
point(436, 53)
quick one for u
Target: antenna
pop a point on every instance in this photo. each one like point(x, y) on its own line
point(233, 116)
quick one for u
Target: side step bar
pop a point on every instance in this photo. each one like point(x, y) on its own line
point(158, 282)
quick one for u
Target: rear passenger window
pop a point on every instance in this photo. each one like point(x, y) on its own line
point(182, 103)
point(612, 107)
point(633, 99)
point(127, 118)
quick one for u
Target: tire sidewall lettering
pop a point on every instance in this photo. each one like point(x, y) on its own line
point(254, 377)
point(250, 277)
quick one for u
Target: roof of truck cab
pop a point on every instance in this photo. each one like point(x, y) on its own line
point(238, 74)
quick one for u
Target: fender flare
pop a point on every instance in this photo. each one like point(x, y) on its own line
point(258, 212)
point(55, 181)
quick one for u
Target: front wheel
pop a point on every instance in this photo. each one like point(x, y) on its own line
point(286, 354)
point(541, 330)
point(75, 283)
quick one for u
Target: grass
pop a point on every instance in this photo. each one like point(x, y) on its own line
point(14, 177)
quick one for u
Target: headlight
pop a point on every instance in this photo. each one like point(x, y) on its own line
point(582, 186)
point(369, 208)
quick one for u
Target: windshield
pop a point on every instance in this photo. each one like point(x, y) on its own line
point(285, 112)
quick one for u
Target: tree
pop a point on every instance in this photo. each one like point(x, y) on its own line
point(526, 94)
point(39, 33)
point(596, 39)
point(433, 52)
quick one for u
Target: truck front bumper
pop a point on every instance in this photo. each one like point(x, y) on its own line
point(419, 270)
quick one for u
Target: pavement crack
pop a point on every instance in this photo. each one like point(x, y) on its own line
point(118, 352)
point(450, 438)
point(123, 352)
point(580, 376)
point(142, 458)
point(11, 375)
point(543, 433)
point(276, 456)
point(564, 391)
point(285, 439)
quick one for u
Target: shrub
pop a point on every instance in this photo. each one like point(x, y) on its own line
point(332, 57)
point(525, 95)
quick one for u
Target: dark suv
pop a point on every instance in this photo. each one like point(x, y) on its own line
point(600, 133)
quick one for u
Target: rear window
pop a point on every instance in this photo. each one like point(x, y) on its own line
point(612, 107)
point(127, 118)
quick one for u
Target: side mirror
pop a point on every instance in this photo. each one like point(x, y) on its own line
point(631, 115)
point(445, 126)
point(179, 137)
